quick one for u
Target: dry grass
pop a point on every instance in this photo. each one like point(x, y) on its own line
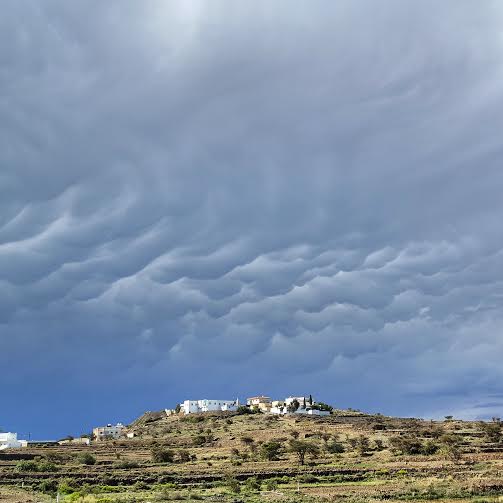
point(224, 455)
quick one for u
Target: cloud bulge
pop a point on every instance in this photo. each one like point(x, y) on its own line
point(237, 198)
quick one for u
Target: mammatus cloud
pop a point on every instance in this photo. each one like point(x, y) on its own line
point(251, 197)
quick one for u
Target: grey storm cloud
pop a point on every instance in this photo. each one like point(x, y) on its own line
point(309, 190)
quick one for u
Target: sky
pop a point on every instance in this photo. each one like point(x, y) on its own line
point(222, 199)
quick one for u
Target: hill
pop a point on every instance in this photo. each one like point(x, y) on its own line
point(256, 457)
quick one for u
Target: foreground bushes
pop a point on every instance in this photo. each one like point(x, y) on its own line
point(35, 466)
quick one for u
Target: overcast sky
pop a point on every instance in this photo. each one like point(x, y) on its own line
point(216, 199)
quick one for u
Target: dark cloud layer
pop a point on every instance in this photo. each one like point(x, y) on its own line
point(216, 199)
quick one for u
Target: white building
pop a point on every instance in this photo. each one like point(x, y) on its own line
point(10, 441)
point(108, 431)
point(304, 406)
point(196, 406)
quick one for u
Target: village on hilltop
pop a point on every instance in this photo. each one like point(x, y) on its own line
point(256, 404)
point(290, 405)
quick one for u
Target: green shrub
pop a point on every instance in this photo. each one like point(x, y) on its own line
point(492, 431)
point(271, 485)
point(126, 464)
point(199, 440)
point(67, 486)
point(86, 458)
point(103, 489)
point(405, 445)
point(74, 497)
point(26, 466)
point(55, 457)
point(233, 485)
point(193, 418)
point(429, 447)
point(48, 486)
point(47, 466)
point(335, 448)
point(160, 455)
point(243, 409)
point(307, 479)
point(252, 484)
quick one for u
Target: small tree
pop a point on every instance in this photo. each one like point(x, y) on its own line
point(271, 450)
point(452, 452)
point(405, 445)
point(300, 448)
point(362, 444)
point(450, 448)
point(334, 447)
point(429, 447)
point(160, 455)
point(293, 406)
point(178, 408)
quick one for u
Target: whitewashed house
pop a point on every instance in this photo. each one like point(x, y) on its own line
point(304, 406)
point(108, 431)
point(9, 440)
point(196, 406)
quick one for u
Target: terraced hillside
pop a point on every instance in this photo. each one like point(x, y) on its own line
point(254, 457)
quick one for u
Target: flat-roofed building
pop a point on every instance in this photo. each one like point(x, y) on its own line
point(8, 440)
point(205, 405)
point(108, 432)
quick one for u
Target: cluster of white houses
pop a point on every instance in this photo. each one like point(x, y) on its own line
point(290, 405)
point(9, 440)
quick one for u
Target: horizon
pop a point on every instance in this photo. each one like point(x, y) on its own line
point(201, 199)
